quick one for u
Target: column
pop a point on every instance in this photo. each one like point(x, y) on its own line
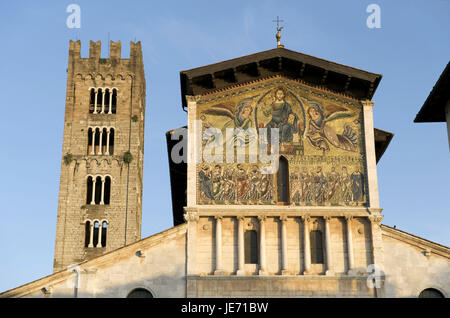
point(284, 249)
point(103, 101)
point(93, 140)
point(351, 262)
point(219, 268)
point(370, 154)
point(99, 242)
point(103, 191)
point(262, 245)
point(194, 151)
point(91, 236)
point(108, 131)
point(191, 217)
point(377, 268)
point(100, 141)
point(307, 245)
point(241, 266)
point(94, 180)
point(329, 263)
point(95, 101)
point(110, 101)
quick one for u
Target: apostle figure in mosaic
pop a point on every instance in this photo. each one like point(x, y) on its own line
point(241, 182)
point(345, 185)
point(266, 191)
point(217, 182)
point(357, 180)
point(320, 186)
point(206, 188)
point(296, 187)
point(333, 190)
point(229, 187)
point(254, 183)
point(305, 181)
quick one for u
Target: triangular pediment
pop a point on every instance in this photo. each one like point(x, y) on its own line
point(339, 78)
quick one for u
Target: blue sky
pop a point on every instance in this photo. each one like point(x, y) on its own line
point(410, 50)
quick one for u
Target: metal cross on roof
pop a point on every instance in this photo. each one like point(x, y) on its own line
point(278, 35)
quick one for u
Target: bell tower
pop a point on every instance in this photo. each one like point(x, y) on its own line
point(100, 192)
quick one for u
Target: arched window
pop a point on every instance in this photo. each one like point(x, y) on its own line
point(431, 293)
point(114, 101)
point(98, 190)
point(96, 231)
point(87, 234)
point(102, 100)
point(107, 100)
point(92, 100)
point(110, 150)
point(107, 190)
point(140, 293)
point(100, 141)
point(98, 105)
point(283, 181)
point(103, 238)
point(316, 247)
point(89, 190)
point(251, 247)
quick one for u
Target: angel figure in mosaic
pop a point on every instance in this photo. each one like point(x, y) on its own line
point(239, 118)
point(320, 134)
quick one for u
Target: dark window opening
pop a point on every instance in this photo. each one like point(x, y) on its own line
point(251, 247)
point(114, 100)
point(98, 190)
point(107, 193)
point(316, 247)
point(111, 141)
point(103, 238)
point(91, 101)
point(99, 101)
point(95, 236)
point(97, 141)
point(431, 293)
point(104, 140)
point(89, 149)
point(107, 93)
point(87, 234)
point(140, 293)
point(89, 190)
point(283, 181)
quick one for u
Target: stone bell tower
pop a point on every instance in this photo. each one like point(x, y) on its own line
point(100, 193)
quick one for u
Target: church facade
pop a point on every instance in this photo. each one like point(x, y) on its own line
point(274, 187)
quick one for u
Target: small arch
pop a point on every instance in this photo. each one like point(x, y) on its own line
point(431, 293)
point(140, 293)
